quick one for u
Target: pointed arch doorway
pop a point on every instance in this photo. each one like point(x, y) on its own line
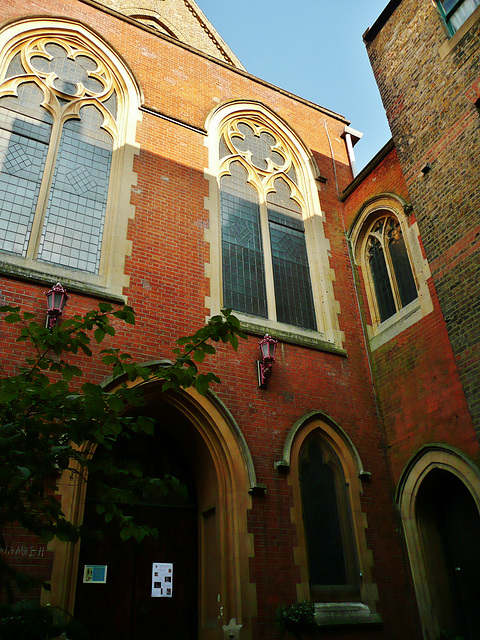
point(197, 441)
point(123, 607)
point(449, 527)
point(439, 499)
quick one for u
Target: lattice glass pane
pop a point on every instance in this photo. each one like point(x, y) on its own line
point(72, 234)
point(223, 149)
point(401, 266)
point(381, 280)
point(260, 146)
point(15, 67)
point(28, 104)
point(69, 72)
point(291, 272)
point(23, 150)
point(282, 200)
point(112, 104)
point(242, 253)
point(292, 174)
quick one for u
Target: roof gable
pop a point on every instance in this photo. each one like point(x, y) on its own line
point(181, 19)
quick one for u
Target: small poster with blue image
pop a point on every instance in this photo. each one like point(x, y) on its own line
point(95, 574)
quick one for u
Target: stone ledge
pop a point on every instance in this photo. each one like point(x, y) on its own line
point(344, 613)
point(73, 283)
point(291, 337)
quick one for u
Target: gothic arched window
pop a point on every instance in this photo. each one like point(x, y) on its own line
point(391, 274)
point(68, 116)
point(264, 251)
point(57, 129)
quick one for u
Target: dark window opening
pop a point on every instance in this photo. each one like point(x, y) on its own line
point(332, 560)
point(391, 273)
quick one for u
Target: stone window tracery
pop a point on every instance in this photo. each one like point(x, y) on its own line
point(58, 128)
point(265, 262)
point(392, 277)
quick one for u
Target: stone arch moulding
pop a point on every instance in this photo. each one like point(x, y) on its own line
point(305, 192)
point(429, 457)
point(231, 464)
point(364, 611)
point(110, 279)
point(375, 208)
point(284, 464)
point(160, 21)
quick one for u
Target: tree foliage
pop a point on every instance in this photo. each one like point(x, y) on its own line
point(51, 420)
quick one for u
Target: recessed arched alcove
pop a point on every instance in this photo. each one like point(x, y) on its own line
point(439, 499)
point(205, 537)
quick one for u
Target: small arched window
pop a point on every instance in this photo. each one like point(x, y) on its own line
point(390, 271)
point(332, 560)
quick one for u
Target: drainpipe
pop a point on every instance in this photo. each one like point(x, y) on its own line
point(351, 137)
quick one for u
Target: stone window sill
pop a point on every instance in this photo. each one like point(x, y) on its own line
point(448, 46)
point(406, 317)
point(328, 614)
point(288, 333)
point(46, 275)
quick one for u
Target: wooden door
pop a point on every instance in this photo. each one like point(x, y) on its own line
point(449, 524)
point(123, 608)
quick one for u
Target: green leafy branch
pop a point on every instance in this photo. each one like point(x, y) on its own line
point(50, 422)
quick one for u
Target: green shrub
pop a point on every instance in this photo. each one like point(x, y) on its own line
point(296, 618)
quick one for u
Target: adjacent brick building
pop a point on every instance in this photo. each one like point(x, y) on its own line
point(413, 224)
point(147, 165)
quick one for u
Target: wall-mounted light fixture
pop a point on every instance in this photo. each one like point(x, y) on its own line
point(267, 346)
point(56, 300)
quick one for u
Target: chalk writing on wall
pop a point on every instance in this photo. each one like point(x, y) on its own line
point(25, 551)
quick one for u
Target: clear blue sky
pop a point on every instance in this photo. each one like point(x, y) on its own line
point(314, 49)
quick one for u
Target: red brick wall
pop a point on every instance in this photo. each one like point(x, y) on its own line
point(416, 375)
point(168, 288)
point(429, 84)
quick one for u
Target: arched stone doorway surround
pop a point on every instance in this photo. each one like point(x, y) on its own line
point(363, 600)
point(226, 479)
point(433, 457)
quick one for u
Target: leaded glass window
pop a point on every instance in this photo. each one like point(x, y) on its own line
point(58, 106)
point(392, 277)
point(242, 252)
point(265, 264)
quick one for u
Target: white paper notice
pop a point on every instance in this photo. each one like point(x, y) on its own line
point(162, 580)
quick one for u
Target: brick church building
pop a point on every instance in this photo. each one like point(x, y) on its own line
point(141, 162)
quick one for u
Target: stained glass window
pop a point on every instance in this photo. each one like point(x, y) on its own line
point(264, 250)
point(25, 129)
point(291, 272)
point(242, 253)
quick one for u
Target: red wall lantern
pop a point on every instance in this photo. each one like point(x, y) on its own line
point(56, 300)
point(268, 347)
